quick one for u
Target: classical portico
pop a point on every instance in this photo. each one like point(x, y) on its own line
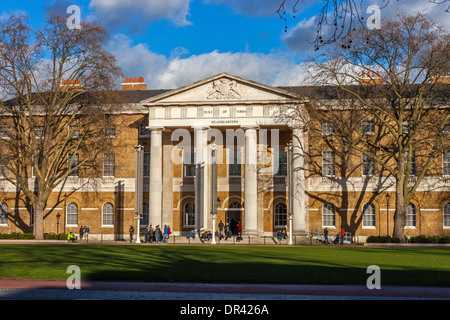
point(245, 121)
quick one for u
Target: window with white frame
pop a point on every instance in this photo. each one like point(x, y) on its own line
point(72, 214)
point(446, 163)
point(39, 132)
point(74, 131)
point(367, 166)
point(39, 164)
point(328, 215)
point(189, 164)
point(410, 216)
point(447, 126)
point(108, 214)
point(234, 166)
point(280, 214)
point(3, 214)
point(328, 164)
point(282, 163)
point(368, 215)
point(72, 164)
point(447, 215)
point(108, 164)
point(110, 132)
point(367, 127)
point(328, 128)
point(189, 214)
point(5, 132)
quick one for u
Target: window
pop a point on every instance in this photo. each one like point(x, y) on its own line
point(327, 128)
point(367, 166)
point(410, 216)
point(447, 215)
point(282, 163)
point(4, 171)
point(108, 164)
point(189, 214)
point(75, 132)
point(39, 132)
point(145, 214)
point(446, 163)
point(235, 164)
point(405, 126)
point(110, 132)
point(146, 164)
point(447, 126)
point(143, 131)
point(280, 214)
point(412, 172)
point(39, 164)
point(189, 164)
point(367, 127)
point(72, 164)
point(5, 132)
point(3, 213)
point(72, 214)
point(328, 163)
point(108, 214)
point(328, 215)
point(368, 215)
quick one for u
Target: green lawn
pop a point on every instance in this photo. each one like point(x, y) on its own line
point(234, 264)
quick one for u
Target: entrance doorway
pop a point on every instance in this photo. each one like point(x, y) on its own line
point(234, 216)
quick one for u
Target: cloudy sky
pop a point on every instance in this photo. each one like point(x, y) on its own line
point(172, 43)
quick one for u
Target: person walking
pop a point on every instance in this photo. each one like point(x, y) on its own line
point(146, 234)
point(165, 234)
point(221, 226)
point(325, 235)
point(157, 234)
point(81, 232)
point(131, 231)
point(151, 234)
point(86, 232)
point(342, 236)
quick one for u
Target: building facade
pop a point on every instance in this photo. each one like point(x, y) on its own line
point(245, 128)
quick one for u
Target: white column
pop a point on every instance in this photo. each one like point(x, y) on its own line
point(250, 182)
point(201, 145)
point(299, 219)
point(155, 192)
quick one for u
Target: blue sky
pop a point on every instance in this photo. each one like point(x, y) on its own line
point(175, 42)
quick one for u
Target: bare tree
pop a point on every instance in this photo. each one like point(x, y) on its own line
point(59, 84)
point(339, 19)
point(389, 83)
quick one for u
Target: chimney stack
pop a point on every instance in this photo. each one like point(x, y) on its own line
point(371, 77)
point(443, 77)
point(134, 83)
point(74, 84)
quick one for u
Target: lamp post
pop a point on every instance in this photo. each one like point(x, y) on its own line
point(213, 192)
point(387, 213)
point(139, 186)
point(58, 216)
point(290, 190)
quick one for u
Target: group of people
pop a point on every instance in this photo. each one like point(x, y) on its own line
point(338, 239)
point(153, 235)
point(84, 232)
point(229, 229)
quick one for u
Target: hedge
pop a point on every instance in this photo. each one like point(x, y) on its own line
point(418, 239)
point(30, 236)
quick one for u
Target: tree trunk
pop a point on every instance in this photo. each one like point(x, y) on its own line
point(38, 228)
point(400, 211)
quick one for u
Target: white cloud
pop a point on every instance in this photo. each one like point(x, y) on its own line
point(161, 72)
point(138, 14)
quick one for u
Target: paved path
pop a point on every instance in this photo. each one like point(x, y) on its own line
point(57, 289)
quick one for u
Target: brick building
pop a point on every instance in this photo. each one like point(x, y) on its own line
point(246, 124)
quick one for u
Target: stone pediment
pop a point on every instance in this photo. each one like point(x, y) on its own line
point(221, 89)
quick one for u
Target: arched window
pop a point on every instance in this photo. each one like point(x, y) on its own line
point(145, 214)
point(189, 214)
point(328, 215)
point(3, 213)
point(234, 205)
point(280, 214)
point(108, 214)
point(410, 216)
point(447, 214)
point(368, 215)
point(72, 214)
